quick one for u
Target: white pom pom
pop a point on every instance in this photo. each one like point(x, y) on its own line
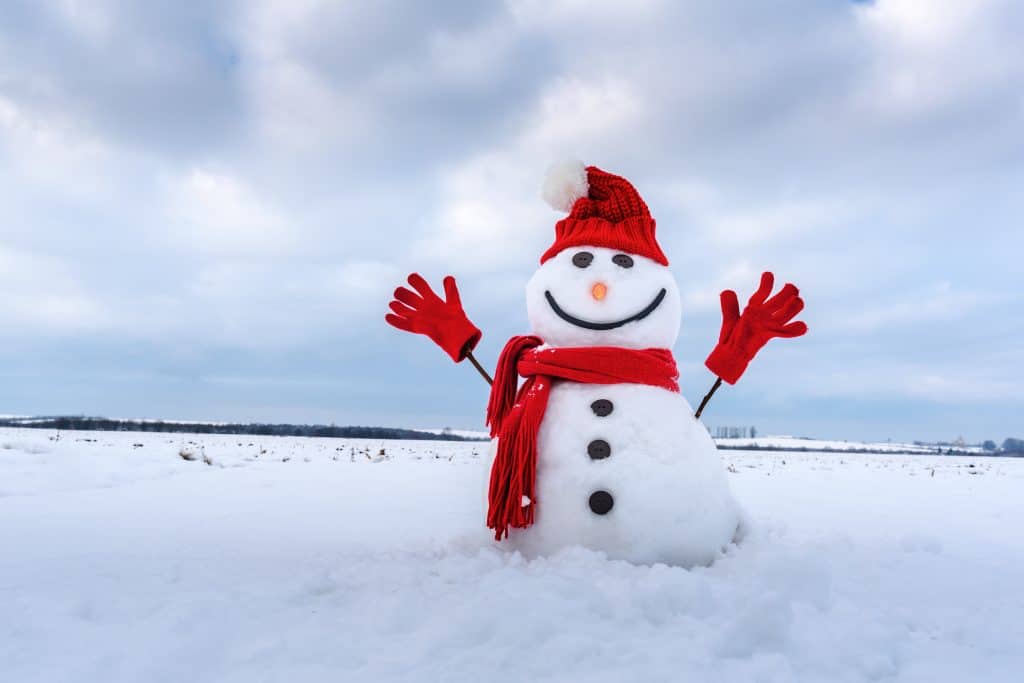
point(564, 183)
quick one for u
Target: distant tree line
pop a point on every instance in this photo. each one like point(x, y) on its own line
point(735, 432)
point(827, 449)
point(103, 424)
point(1010, 446)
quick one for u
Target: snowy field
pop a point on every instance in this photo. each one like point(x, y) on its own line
point(804, 444)
point(276, 559)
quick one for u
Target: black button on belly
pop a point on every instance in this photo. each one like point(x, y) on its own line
point(598, 449)
point(601, 502)
point(602, 407)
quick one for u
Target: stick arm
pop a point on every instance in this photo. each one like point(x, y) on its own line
point(707, 397)
point(479, 368)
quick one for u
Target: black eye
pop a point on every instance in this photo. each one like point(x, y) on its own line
point(582, 259)
point(622, 261)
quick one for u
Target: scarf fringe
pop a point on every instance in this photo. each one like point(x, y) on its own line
point(506, 380)
point(514, 416)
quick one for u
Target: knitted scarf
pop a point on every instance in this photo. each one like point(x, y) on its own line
point(514, 414)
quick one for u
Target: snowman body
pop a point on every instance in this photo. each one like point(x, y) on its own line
point(624, 469)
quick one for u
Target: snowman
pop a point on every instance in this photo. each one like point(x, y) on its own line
point(594, 445)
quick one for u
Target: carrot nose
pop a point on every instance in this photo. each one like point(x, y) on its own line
point(599, 291)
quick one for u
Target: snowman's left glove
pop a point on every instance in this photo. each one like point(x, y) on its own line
point(443, 320)
point(742, 336)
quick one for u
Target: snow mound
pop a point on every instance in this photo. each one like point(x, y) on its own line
point(346, 560)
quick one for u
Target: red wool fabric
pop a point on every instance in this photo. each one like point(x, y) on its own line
point(514, 414)
point(612, 215)
point(763, 319)
point(443, 320)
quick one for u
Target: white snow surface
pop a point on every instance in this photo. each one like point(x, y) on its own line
point(288, 559)
point(628, 292)
point(671, 498)
point(798, 443)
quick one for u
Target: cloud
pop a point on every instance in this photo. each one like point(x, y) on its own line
point(41, 297)
point(938, 303)
point(928, 62)
point(276, 306)
point(234, 183)
point(216, 212)
point(953, 385)
point(50, 151)
point(490, 213)
point(779, 221)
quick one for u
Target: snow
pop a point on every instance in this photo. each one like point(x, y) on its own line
point(670, 498)
point(327, 560)
point(629, 291)
point(797, 443)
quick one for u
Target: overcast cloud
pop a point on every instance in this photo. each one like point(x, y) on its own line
point(205, 206)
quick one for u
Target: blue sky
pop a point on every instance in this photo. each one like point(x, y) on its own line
point(205, 206)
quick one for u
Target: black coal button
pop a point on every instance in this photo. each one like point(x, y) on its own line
point(601, 502)
point(598, 449)
point(602, 407)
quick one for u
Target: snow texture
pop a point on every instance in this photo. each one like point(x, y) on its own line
point(629, 291)
point(671, 500)
point(801, 443)
point(334, 560)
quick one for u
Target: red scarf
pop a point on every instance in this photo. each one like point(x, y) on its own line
point(514, 416)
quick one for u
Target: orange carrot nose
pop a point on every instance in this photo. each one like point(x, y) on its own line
point(599, 291)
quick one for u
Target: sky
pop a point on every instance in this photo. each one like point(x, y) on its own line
point(204, 207)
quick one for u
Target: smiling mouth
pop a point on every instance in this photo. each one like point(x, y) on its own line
point(587, 324)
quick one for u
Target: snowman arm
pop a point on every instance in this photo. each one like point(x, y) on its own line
point(420, 311)
point(707, 397)
point(479, 368)
point(744, 333)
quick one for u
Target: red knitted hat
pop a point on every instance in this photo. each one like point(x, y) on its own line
point(604, 211)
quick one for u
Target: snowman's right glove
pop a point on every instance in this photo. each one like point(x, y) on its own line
point(742, 336)
point(444, 321)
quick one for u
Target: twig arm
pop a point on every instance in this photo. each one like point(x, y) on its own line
point(707, 397)
point(480, 368)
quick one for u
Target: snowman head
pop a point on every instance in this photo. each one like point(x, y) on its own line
point(605, 280)
point(595, 296)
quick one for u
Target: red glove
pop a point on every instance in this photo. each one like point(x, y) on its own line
point(743, 336)
point(423, 312)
